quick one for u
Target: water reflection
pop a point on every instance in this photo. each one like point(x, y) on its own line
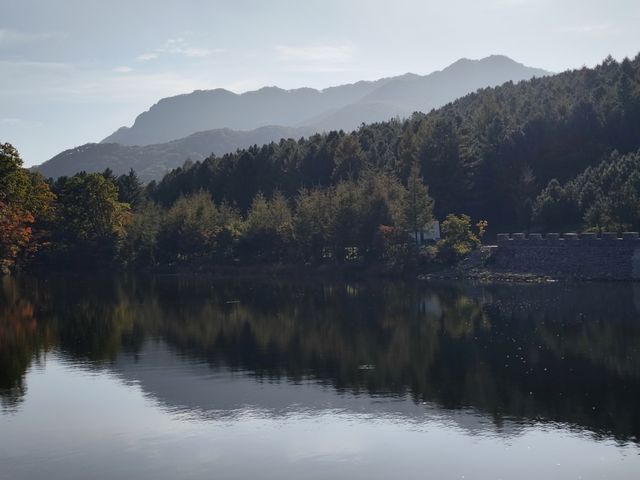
point(516, 355)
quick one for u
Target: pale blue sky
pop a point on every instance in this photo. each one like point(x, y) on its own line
point(72, 71)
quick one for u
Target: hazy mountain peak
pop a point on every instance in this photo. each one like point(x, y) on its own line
point(196, 124)
point(151, 162)
point(265, 89)
point(499, 57)
point(491, 61)
point(339, 107)
point(409, 76)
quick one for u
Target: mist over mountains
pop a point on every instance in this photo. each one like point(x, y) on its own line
point(163, 137)
point(343, 107)
point(152, 162)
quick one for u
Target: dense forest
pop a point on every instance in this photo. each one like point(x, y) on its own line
point(488, 154)
point(547, 154)
point(101, 220)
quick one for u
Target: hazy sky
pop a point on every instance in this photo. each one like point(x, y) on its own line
point(72, 71)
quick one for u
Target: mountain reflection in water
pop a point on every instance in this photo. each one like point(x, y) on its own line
point(547, 352)
point(489, 360)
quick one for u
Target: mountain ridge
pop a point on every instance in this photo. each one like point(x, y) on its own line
point(151, 162)
point(181, 115)
point(175, 128)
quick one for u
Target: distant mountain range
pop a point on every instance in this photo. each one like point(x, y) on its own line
point(163, 137)
point(152, 162)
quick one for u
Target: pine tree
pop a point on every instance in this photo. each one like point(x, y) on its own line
point(418, 203)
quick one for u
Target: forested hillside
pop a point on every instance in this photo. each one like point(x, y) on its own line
point(555, 153)
point(339, 107)
point(604, 197)
point(152, 162)
point(488, 154)
point(196, 125)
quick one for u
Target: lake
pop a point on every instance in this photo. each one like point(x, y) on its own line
point(191, 377)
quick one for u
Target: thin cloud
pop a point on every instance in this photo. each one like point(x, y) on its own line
point(45, 82)
point(589, 29)
point(14, 37)
point(513, 3)
point(315, 53)
point(18, 122)
point(123, 69)
point(178, 46)
point(27, 65)
point(145, 57)
point(319, 67)
point(11, 121)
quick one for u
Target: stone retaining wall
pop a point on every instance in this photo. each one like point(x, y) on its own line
point(571, 255)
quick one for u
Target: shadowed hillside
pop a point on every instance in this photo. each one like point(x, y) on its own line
point(488, 154)
point(151, 162)
point(341, 107)
point(225, 121)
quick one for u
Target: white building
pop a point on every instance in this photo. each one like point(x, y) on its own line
point(431, 233)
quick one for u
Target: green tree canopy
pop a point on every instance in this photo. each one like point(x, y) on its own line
point(91, 221)
point(418, 204)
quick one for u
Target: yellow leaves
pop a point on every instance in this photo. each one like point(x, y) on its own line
point(482, 226)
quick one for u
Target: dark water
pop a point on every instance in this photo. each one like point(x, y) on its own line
point(182, 377)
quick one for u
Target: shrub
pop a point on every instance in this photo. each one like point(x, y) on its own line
point(458, 238)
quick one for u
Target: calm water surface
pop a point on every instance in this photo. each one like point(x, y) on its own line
point(185, 377)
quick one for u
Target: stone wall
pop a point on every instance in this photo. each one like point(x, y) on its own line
point(570, 255)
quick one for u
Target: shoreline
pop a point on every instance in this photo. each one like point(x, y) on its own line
point(460, 272)
point(479, 266)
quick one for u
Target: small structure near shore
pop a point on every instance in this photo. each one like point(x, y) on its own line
point(571, 255)
point(430, 233)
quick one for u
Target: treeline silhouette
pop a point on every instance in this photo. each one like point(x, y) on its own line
point(605, 197)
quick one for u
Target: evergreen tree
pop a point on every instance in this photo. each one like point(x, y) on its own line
point(130, 189)
point(418, 204)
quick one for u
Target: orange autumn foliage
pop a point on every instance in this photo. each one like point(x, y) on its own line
point(15, 233)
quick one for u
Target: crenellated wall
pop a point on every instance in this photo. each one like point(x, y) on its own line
point(571, 255)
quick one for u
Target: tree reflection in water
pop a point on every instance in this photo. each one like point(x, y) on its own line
point(554, 352)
